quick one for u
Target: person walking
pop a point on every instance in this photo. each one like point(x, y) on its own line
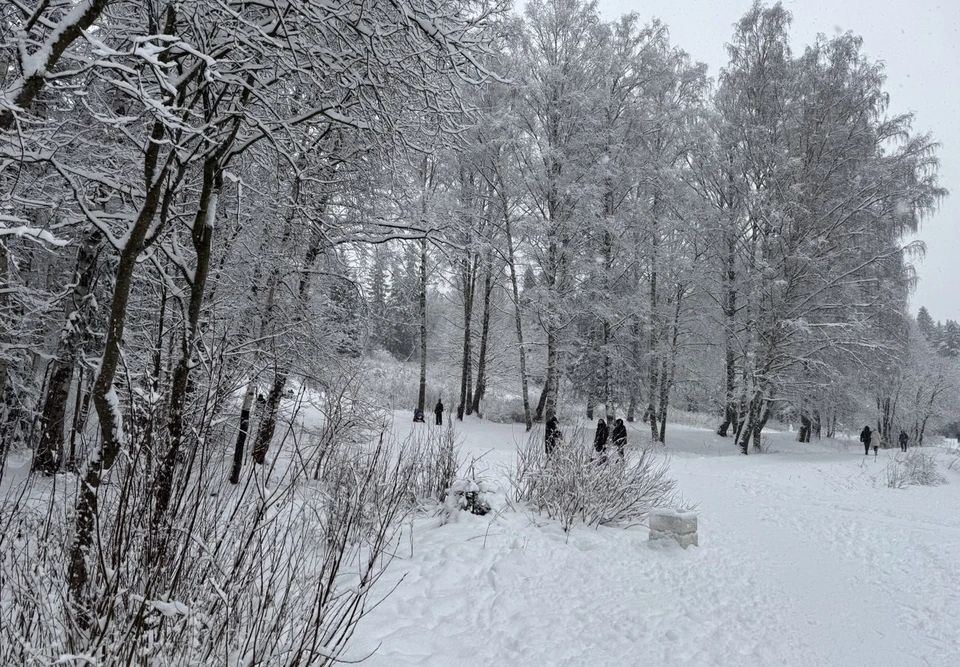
point(619, 437)
point(865, 436)
point(551, 434)
point(903, 440)
point(600, 439)
point(438, 411)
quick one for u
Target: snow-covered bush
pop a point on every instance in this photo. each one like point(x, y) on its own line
point(466, 495)
point(573, 486)
point(915, 468)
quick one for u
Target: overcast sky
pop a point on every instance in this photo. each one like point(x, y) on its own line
point(918, 40)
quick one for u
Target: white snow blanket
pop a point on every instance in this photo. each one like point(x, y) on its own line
point(806, 559)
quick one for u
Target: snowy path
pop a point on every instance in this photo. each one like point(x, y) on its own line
point(804, 560)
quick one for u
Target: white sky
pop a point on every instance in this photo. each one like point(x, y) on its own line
point(918, 40)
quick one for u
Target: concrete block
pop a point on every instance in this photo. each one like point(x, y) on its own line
point(673, 521)
point(669, 524)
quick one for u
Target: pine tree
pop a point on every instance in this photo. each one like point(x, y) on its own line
point(925, 324)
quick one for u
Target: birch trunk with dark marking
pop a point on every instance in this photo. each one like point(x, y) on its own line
point(468, 288)
point(484, 336)
point(422, 394)
point(81, 405)
point(653, 376)
point(518, 321)
point(730, 416)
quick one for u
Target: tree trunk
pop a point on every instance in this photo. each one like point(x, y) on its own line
point(4, 408)
point(518, 320)
point(80, 407)
point(611, 411)
point(269, 424)
point(542, 402)
point(264, 437)
point(484, 336)
point(50, 448)
point(550, 390)
point(653, 380)
point(467, 281)
point(244, 431)
point(805, 427)
point(422, 395)
point(758, 427)
point(730, 417)
point(748, 426)
point(105, 399)
point(202, 238)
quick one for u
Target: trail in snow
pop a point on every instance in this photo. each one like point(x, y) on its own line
point(805, 559)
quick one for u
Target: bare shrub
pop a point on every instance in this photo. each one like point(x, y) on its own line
point(572, 486)
point(915, 468)
point(277, 570)
point(434, 458)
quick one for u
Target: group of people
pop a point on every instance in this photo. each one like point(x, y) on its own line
point(437, 413)
point(618, 436)
point(866, 437)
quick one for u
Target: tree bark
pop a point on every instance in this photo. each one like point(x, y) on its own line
point(805, 426)
point(80, 17)
point(269, 424)
point(468, 284)
point(202, 238)
point(49, 453)
point(422, 394)
point(104, 396)
point(731, 416)
point(244, 432)
point(553, 380)
point(484, 336)
point(518, 321)
point(4, 290)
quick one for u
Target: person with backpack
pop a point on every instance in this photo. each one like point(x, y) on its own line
point(903, 440)
point(865, 437)
point(619, 437)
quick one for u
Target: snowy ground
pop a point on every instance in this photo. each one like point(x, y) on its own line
point(805, 558)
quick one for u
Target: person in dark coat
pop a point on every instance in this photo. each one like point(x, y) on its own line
point(619, 437)
point(438, 411)
point(903, 440)
point(418, 415)
point(600, 439)
point(551, 434)
point(865, 437)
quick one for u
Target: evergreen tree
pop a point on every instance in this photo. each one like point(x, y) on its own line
point(925, 323)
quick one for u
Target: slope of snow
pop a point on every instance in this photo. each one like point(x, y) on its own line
point(805, 558)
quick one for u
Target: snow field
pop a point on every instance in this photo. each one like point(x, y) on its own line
point(806, 558)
